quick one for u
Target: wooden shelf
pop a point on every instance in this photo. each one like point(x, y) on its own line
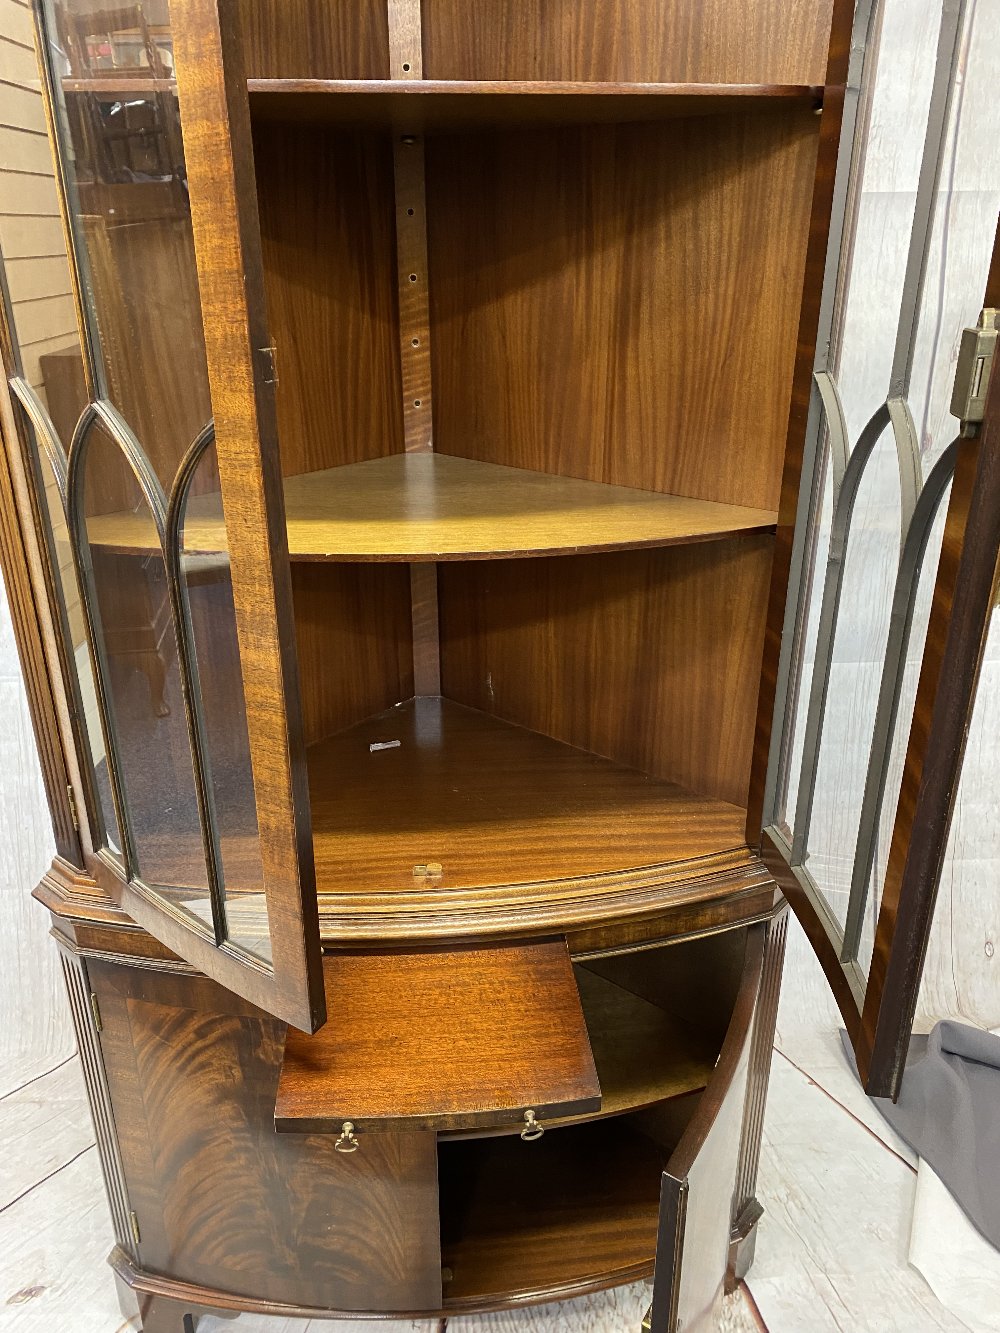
point(493, 805)
point(576, 1210)
point(416, 507)
point(643, 1054)
point(436, 104)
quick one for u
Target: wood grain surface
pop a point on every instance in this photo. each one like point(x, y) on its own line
point(441, 1039)
point(439, 507)
point(673, 636)
point(492, 804)
point(574, 327)
point(326, 219)
point(224, 1201)
point(637, 41)
point(573, 1212)
point(440, 105)
point(314, 39)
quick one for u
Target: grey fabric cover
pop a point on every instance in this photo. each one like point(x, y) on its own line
point(949, 1113)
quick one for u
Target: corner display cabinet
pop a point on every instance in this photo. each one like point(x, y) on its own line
point(412, 561)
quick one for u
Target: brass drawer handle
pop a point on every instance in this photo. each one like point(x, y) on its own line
point(348, 1140)
point(532, 1129)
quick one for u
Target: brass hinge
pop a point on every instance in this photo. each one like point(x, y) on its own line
point(74, 813)
point(972, 375)
point(95, 1009)
point(136, 1233)
point(269, 357)
point(647, 1323)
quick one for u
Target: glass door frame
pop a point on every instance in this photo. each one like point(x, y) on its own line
point(878, 1009)
point(215, 123)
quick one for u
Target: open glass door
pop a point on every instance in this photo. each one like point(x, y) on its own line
point(891, 563)
point(162, 451)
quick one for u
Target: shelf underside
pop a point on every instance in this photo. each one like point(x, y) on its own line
point(430, 507)
point(441, 104)
point(433, 105)
point(493, 805)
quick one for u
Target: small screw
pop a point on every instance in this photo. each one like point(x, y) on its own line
point(990, 949)
point(409, 139)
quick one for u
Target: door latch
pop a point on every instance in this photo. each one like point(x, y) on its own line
point(972, 376)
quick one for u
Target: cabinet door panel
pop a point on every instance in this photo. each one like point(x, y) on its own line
point(692, 1248)
point(222, 1201)
point(886, 571)
point(197, 802)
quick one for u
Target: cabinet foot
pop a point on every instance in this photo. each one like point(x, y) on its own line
point(742, 1242)
point(162, 1316)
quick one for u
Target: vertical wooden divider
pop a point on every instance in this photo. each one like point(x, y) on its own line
point(406, 62)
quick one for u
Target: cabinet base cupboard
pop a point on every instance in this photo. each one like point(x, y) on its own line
point(399, 558)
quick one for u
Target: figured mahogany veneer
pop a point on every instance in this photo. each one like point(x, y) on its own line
point(438, 507)
point(439, 1039)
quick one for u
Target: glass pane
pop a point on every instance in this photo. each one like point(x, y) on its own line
point(870, 359)
point(142, 677)
point(124, 158)
point(214, 650)
point(74, 634)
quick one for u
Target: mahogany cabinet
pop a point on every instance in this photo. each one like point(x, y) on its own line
point(440, 474)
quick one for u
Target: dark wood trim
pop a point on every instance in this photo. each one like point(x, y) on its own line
point(89, 1044)
point(30, 594)
point(956, 638)
point(746, 1209)
point(805, 359)
point(821, 943)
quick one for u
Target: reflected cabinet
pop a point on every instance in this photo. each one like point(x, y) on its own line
point(428, 557)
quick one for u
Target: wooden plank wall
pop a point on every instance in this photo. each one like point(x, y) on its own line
point(31, 234)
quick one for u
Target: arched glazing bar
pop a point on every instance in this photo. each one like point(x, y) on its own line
point(190, 675)
point(901, 623)
point(919, 503)
point(80, 543)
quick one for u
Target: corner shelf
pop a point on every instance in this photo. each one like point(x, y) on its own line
point(436, 104)
point(431, 507)
point(494, 805)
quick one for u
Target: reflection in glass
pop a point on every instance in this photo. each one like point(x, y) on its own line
point(118, 117)
point(213, 651)
point(141, 677)
point(51, 503)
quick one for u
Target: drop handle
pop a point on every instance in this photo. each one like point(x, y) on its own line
point(348, 1141)
point(532, 1129)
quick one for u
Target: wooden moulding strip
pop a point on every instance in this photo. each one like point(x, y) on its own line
point(406, 62)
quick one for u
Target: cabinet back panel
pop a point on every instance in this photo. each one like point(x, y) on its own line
point(315, 39)
point(620, 302)
point(642, 41)
point(650, 658)
point(327, 215)
point(355, 642)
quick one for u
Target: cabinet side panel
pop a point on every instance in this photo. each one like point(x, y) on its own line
point(683, 41)
point(327, 211)
point(315, 39)
point(651, 658)
point(620, 302)
point(228, 1203)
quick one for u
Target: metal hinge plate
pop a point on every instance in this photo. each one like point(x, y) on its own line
point(972, 375)
point(74, 812)
point(136, 1233)
point(95, 1009)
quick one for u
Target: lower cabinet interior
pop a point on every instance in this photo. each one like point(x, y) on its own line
point(579, 1207)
